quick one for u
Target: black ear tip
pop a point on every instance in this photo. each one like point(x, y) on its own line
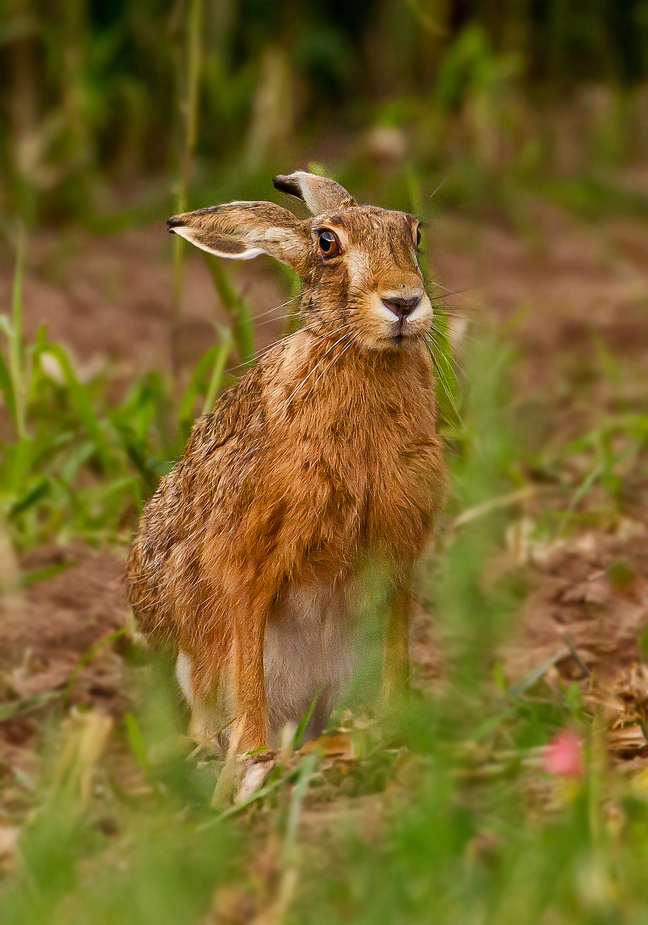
point(174, 222)
point(287, 185)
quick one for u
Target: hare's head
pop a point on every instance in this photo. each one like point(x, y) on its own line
point(358, 263)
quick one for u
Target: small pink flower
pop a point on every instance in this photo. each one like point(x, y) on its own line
point(562, 756)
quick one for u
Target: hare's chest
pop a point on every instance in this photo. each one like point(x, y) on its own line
point(402, 490)
point(364, 481)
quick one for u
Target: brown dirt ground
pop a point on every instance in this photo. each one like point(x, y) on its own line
point(555, 285)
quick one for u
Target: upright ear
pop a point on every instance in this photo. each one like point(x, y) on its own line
point(319, 193)
point(242, 230)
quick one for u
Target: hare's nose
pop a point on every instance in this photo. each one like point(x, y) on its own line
point(402, 307)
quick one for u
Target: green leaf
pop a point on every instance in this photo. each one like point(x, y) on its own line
point(193, 390)
point(82, 404)
point(31, 497)
point(220, 359)
point(137, 744)
point(42, 574)
point(532, 677)
point(238, 308)
point(26, 705)
point(6, 388)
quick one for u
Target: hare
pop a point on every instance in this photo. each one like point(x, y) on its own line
point(323, 456)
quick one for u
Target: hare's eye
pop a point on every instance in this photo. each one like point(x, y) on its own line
point(328, 243)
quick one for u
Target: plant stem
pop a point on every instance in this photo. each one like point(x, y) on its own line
point(219, 368)
point(193, 55)
point(237, 309)
point(16, 340)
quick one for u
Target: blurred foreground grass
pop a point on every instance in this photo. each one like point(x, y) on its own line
point(444, 810)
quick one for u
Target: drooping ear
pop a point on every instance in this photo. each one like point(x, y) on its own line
point(242, 230)
point(319, 193)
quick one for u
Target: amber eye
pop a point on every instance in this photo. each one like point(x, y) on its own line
point(328, 243)
point(418, 236)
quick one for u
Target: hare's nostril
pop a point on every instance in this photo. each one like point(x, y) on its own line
point(402, 307)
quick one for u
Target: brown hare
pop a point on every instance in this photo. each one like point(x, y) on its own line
point(323, 456)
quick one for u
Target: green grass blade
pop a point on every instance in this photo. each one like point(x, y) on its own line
point(238, 310)
point(220, 359)
point(31, 497)
point(82, 404)
point(193, 390)
point(7, 389)
point(16, 358)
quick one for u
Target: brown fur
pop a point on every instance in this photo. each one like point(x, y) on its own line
point(323, 455)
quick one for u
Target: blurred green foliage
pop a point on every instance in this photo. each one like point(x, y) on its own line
point(74, 464)
point(93, 92)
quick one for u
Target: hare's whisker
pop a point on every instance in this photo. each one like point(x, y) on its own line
point(452, 291)
point(437, 349)
point(433, 337)
point(303, 381)
point(276, 308)
point(445, 383)
point(455, 349)
point(353, 338)
point(447, 356)
point(445, 180)
point(274, 320)
point(443, 310)
point(345, 328)
point(258, 354)
point(261, 352)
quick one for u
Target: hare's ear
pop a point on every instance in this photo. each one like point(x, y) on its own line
point(319, 193)
point(242, 230)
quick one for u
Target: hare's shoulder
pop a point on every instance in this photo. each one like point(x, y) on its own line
point(237, 409)
point(240, 419)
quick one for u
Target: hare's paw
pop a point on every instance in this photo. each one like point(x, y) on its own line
point(241, 777)
point(205, 728)
point(253, 770)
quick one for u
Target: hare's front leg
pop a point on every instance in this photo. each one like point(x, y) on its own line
point(395, 677)
point(249, 685)
point(205, 692)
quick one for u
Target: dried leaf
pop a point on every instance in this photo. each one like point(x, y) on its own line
point(334, 746)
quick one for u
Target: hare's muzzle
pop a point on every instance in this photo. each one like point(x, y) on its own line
point(402, 308)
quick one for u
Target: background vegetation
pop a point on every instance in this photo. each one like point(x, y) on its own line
point(97, 93)
point(114, 115)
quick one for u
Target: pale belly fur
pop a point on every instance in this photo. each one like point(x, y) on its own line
point(308, 657)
